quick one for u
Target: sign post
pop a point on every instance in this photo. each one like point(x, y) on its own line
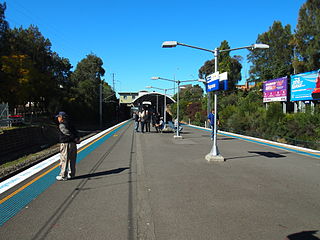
point(216, 82)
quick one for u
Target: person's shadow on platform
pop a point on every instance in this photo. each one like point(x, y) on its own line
point(305, 235)
point(98, 174)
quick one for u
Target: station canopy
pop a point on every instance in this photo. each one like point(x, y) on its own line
point(153, 97)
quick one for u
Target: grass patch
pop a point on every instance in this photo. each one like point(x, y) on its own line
point(15, 165)
point(15, 162)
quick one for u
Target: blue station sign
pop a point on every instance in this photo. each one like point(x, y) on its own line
point(213, 82)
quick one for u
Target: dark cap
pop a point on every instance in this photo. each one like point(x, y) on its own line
point(61, 114)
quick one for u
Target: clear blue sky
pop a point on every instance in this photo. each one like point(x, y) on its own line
point(127, 35)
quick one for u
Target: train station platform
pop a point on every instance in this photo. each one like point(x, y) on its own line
point(152, 186)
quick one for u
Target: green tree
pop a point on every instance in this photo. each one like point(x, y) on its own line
point(61, 71)
point(226, 63)
point(190, 103)
point(191, 93)
point(3, 46)
point(31, 72)
point(307, 37)
point(41, 85)
point(4, 26)
point(274, 62)
point(87, 79)
point(16, 85)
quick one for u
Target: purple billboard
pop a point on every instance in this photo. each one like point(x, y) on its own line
point(275, 90)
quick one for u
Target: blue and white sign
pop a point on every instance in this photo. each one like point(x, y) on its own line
point(305, 86)
point(213, 82)
point(217, 81)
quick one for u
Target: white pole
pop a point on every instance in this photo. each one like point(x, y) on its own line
point(100, 103)
point(157, 103)
point(214, 154)
point(178, 108)
point(165, 108)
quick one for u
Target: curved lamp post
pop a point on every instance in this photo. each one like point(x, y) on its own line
point(214, 154)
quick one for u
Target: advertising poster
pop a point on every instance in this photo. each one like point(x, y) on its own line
point(275, 90)
point(305, 86)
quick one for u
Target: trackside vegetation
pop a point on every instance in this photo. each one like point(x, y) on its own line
point(242, 110)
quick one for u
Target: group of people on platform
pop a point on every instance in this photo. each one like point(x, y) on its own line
point(144, 118)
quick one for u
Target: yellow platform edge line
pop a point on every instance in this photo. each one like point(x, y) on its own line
point(45, 173)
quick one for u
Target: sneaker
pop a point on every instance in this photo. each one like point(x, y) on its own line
point(69, 177)
point(59, 178)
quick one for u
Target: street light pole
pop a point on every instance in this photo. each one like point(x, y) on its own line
point(214, 154)
point(165, 107)
point(100, 105)
point(157, 103)
point(178, 125)
point(215, 151)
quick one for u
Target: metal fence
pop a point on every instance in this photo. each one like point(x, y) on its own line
point(4, 113)
point(296, 142)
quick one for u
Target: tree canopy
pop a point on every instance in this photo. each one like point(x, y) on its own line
point(226, 63)
point(276, 61)
point(87, 79)
point(31, 72)
point(307, 37)
point(3, 27)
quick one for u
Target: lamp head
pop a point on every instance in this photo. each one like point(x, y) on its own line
point(169, 44)
point(260, 46)
point(155, 78)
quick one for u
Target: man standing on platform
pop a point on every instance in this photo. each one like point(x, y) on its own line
point(68, 138)
point(211, 121)
point(136, 121)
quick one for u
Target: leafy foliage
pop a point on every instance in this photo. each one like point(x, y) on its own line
point(3, 28)
point(31, 72)
point(225, 64)
point(276, 61)
point(190, 103)
point(87, 79)
point(244, 113)
point(307, 37)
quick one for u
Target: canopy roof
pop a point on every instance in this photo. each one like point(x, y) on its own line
point(154, 98)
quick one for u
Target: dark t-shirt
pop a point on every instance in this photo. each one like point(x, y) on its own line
point(211, 118)
point(67, 132)
point(168, 117)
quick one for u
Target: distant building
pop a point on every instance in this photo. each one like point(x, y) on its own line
point(136, 100)
point(246, 86)
point(186, 86)
point(127, 98)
